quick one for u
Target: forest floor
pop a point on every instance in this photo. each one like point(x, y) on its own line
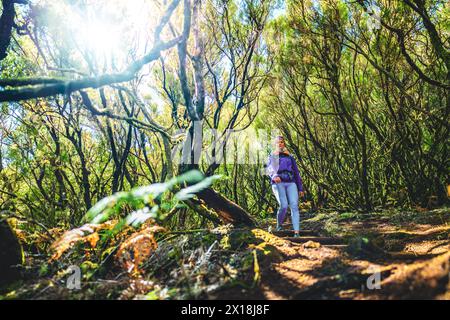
point(392, 254)
point(407, 252)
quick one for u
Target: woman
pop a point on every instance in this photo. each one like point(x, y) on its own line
point(286, 183)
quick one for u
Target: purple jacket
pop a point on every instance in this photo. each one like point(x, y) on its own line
point(278, 163)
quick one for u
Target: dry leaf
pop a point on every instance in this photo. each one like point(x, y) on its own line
point(138, 248)
point(86, 234)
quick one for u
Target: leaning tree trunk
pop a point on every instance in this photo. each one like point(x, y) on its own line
point(227, 210)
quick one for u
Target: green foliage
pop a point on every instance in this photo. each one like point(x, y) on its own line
point(140, 198)
point(358, 133)
point(367, 129)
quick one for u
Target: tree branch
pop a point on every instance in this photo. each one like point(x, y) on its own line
point(66, 87)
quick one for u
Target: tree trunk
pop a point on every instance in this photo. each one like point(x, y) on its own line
point(228, 211)
point(11, 254)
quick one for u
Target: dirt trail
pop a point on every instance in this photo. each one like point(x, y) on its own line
point(386, 255)
point(397, 262)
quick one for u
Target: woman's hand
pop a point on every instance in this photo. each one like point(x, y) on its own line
point(301, 194)
point(277, 179)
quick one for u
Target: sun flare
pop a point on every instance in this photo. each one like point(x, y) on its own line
point(106, 31)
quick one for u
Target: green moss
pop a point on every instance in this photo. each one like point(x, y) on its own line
point(347, 216)
point(225, 242)
point(319, 217)
point(247, 261)
point(332, 228)
point(43, 270)
point(239, 239)
point(208, 239)
point(88, 266)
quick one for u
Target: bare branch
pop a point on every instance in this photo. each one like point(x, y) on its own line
point(67, 87)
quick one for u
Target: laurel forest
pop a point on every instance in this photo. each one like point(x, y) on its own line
point(214, 149)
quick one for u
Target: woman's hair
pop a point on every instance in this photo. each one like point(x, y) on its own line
point(275, 141)
point(277, 138)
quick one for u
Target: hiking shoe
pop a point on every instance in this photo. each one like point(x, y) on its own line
point(296, 235)
point(278, 229)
